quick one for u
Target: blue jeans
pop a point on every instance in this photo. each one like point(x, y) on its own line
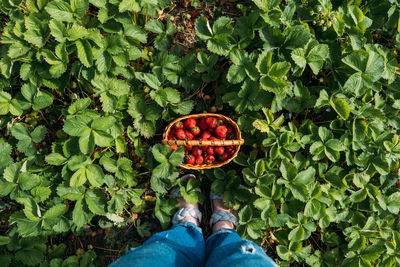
point(183, 245)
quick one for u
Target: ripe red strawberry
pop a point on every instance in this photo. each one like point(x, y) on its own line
point(225, 156)
point(194, 13)
point(180, 134)
point(190, 159)
point(178, 125)
point(205, 135)
point(230, 130)
point(195, 130)
point(202, 124)
point(221, 131)
point(199, 160)
point(186, 153)
point(210, 150)
point(219, 150)
point(190, 123)
point(174, 147)
point(213, 138)
point(188, 148)
point(189, 135)
point(211, 122)
point(204, 148)
point(209, 159)
point(230, 150)
point(196, 151)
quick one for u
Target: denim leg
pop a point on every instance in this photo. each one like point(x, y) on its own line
point(226, 248)
point(182, 245)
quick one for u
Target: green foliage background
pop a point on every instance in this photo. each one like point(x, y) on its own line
point(86, 86)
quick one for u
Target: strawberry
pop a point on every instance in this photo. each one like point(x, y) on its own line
point(178, 125)
point(205, 135)
point(230, 150)
point(194, 13)
point(186, 153)
point(180, 134)
point(190, 159)
point(221, 131)
point(188, 148)
point(195, 130)
point(230, 130)
point(196, 151)
point(210, 150)
point(189, 135)
point(209, 159)
point(213, 138)
point(204, 148)
point(174, 147)
point(219, 150)
point(225, 156)
point(202, 124)
point(199, 160)
point(211, 122)
point(190, 123)
point(100, 231)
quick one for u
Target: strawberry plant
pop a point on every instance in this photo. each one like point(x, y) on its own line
point(87, 88)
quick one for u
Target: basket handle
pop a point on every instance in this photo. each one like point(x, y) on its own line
point(204, 142)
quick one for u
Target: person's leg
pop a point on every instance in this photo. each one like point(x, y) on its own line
point(182, 245)
point(225, 247)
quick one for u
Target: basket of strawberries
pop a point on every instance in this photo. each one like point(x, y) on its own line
point(210, 140)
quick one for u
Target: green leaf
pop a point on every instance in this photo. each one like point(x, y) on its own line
point(41, 102)
point(335, 144)
point(60, 10)
point(29, 256)
point(325, 134)
point(76, 126)
point(245, 214)
point(236, 74)
point(135, 32)
point(129, 5)
point(95, 175)
point(279, 69)
point(79, 7)
point(203, 28)
point(288, 170)
point(155, 26)
point(5, 99)
point(177, 156)
point(84, 52)
point(359, 195)
point(58, 30)
point(27, 180)
point(361, 179)
point(305, 177)
point(78, 178)
point(96, 201)
point(81, 214)
point(341, 107)
point(296, 234)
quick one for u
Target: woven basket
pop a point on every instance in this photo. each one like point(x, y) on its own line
point(237, 143)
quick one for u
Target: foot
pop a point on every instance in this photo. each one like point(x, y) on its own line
point(183, 204)
point(218, 204)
